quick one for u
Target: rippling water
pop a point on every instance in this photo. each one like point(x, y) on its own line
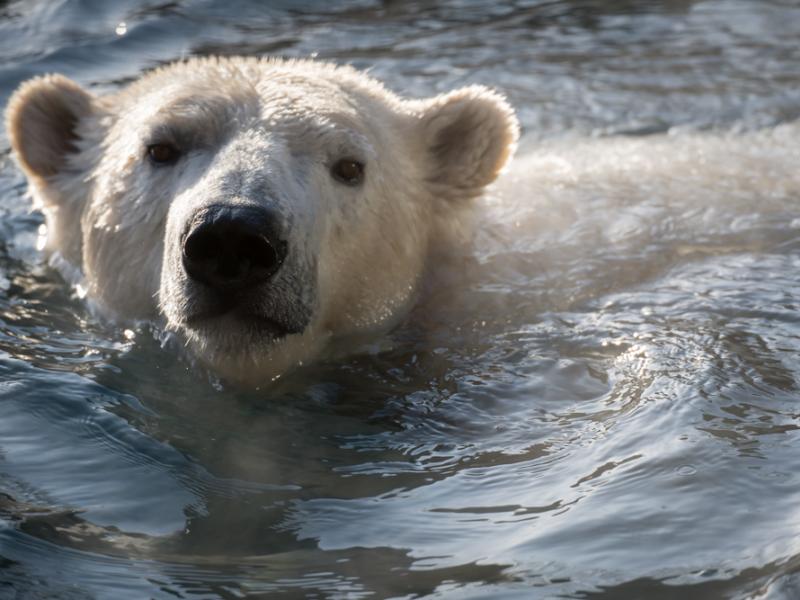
point(603, 404)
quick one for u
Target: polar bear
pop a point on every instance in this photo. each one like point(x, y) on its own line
point(263, 209)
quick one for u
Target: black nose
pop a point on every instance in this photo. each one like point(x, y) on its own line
point(233, 247)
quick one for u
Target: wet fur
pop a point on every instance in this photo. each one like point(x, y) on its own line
point(257, 132)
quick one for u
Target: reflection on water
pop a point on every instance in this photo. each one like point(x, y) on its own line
point(602, 404)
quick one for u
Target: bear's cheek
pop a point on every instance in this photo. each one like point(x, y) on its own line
point(122, 235)
point(370, 266)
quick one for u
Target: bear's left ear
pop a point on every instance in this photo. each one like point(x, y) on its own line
point(469, 135)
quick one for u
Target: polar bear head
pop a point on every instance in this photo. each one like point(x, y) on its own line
point(258, 207)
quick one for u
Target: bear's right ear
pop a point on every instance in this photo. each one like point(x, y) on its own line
point(42, 119)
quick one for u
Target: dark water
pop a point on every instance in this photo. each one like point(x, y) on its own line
point(607, 407)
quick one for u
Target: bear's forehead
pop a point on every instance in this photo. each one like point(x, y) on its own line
point(272, 90)
point(191, 118)
point(307, 106)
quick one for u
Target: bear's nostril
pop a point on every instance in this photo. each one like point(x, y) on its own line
point(232, 248)
point(202, 246)
point(256, 253)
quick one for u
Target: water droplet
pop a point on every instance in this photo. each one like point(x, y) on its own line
point(686, 470)
point(41, 239)
point(129, 334)
point(122, 28)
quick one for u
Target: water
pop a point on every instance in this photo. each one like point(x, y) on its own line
point(602, 404)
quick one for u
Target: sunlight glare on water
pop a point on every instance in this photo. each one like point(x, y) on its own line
point(600, 404)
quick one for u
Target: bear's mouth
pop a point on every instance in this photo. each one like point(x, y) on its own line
point(257, 325)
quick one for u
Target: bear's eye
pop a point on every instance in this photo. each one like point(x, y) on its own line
point(163, 154)
point(348, 171)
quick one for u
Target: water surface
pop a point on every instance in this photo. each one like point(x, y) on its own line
point(603, 403)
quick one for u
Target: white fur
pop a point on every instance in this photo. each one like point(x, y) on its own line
point(257, 132)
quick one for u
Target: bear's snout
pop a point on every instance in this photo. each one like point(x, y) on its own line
point(232, 248)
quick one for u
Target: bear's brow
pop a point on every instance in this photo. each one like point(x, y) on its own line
point(334, 135)
point(203, 119)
